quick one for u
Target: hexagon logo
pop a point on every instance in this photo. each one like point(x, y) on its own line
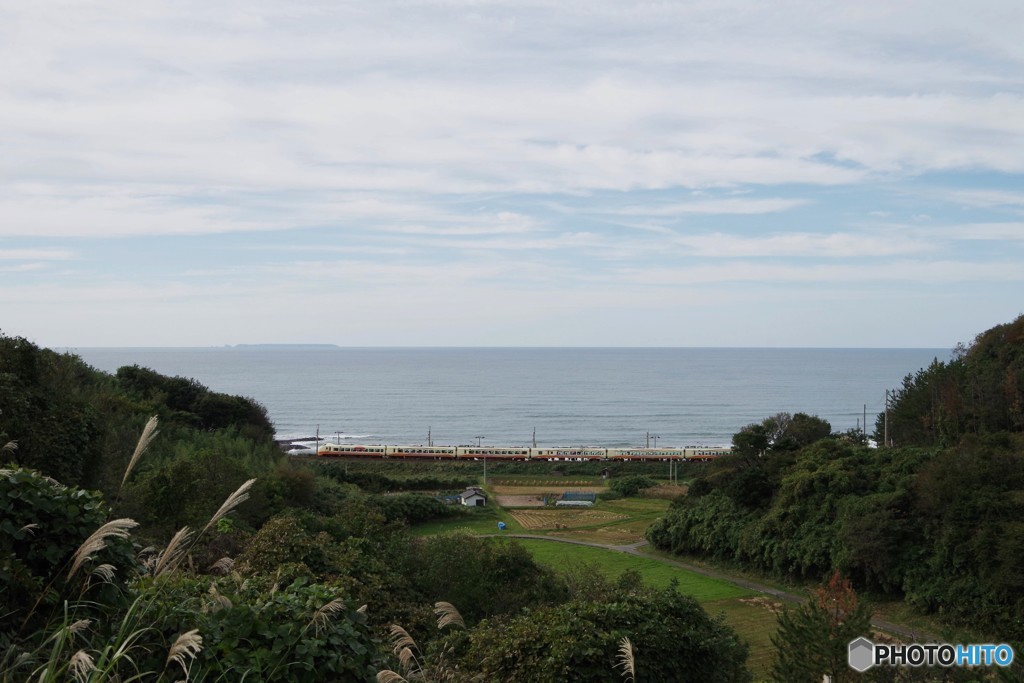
point(861, 655)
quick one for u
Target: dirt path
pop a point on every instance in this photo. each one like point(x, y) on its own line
point(634, 549)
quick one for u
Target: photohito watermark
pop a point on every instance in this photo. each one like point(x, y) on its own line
point(864, 654)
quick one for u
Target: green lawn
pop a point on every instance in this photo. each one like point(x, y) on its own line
point(612, 563)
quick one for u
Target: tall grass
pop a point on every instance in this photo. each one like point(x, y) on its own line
point(411, 660)
point(82, 649)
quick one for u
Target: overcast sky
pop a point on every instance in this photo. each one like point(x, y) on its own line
point(511, 172)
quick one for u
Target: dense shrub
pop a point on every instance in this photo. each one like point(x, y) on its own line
point(632, 485)
point(302, 632)
point(47, 404)
point(674, 640)
point(414, 507)
point(42, 523)
point(377, 482)
point(482, 576)
point(194, 405)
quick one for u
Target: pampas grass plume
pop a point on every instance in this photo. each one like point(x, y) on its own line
point(326, 613)
point(447, 615)
point(82, 665)
point(173, 553)
point(626, 660)
point(117, 528)
point(233, 501)
point(149, 433)
point(188, 645)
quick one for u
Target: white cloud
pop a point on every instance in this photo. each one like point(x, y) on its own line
point(1011, 232)
point(902, 271)
point(836, 245)
point(987, 198)
point(539, 153)
point(732, 205)
point(35, 254)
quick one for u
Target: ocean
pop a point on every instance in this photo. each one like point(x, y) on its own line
point(497, 396)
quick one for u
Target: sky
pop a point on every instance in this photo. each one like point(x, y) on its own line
point(511, 172)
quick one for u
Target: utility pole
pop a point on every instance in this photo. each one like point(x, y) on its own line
point(534, 437)
point(430, 442)
point(648, 442)
point(655, 440)
point(337, 437)
point(886, 432)
point(478, 440)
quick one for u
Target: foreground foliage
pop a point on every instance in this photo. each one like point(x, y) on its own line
point(82, 606)
point(674, 640)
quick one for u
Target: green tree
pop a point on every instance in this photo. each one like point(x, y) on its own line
point(631, 486)
point(813, 638)
point(482, 576)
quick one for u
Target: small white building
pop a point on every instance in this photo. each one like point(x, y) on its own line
point(474, 496)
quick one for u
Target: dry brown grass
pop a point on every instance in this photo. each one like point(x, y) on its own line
point(527, 501)
point(562, 519)
point(665, 491)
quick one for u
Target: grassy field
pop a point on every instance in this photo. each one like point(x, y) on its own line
point(755, 620)
point(612, 563)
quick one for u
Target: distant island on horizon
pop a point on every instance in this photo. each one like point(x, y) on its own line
point(282, 347)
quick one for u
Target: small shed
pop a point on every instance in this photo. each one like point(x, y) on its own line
point(474, 496)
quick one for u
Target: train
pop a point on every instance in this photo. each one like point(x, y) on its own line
point(520, 453)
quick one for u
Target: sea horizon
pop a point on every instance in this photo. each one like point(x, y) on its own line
point(607, 396)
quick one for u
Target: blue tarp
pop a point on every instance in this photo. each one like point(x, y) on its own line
point(578, 496)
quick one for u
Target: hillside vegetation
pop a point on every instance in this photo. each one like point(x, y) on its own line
point(937, 519)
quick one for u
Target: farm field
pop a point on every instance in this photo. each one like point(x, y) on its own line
point(563, 519)
point(636, 515)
